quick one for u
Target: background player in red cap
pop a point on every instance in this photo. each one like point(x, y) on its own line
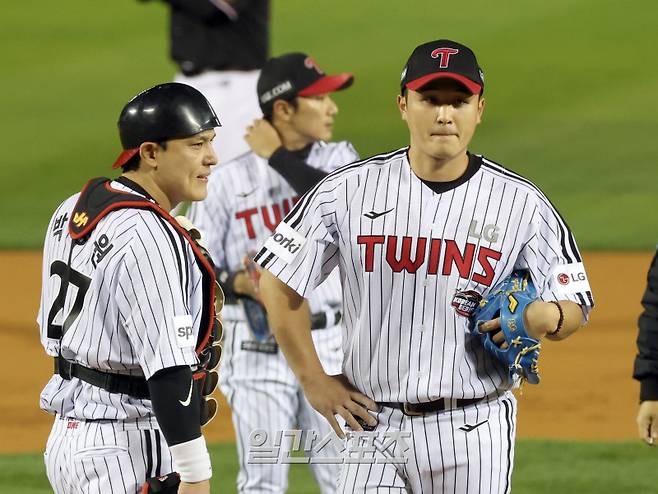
point(413, 231)
point(247, 198)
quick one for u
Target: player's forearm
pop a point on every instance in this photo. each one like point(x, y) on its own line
point(175, 401)
point(289, 318)
point(572, 320)
point(545, 318)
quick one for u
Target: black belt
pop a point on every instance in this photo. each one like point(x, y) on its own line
point(133, 386)
point(414, 409)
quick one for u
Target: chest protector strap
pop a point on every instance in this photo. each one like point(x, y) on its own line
point(97, 200)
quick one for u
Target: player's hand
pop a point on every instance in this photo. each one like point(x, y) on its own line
point(334, 395)
point(263, 139)
point(243, 284)
point(202, 487)
point(247, 282)
point(647, 422)
point(539, 318)
point(493, 327)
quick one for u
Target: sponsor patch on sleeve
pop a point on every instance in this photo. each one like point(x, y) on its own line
point(184, 332)
point(570, 278)
point(285, 243)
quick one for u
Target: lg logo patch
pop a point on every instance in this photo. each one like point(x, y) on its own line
point(570, 278)
point(565, 279)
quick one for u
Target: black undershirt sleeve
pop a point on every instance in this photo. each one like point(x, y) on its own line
point(292, 166)
point(646, 361)
point(176, 407)
point(294, 169)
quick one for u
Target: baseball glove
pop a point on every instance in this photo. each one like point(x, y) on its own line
point(508, 301)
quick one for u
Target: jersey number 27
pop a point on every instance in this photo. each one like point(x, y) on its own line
point(75, 278)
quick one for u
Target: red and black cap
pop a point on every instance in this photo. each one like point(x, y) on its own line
point(442, 58)
point(163, 112)
point(296, 74)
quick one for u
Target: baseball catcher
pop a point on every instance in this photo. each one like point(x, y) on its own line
point(511, 345)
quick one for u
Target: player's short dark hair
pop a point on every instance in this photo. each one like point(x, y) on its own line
point(268, 115)
point(133, 163)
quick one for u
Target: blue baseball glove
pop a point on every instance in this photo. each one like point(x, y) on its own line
point(508, 301)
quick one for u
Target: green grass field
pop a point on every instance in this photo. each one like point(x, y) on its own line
point(571, 95)
point(542, 467)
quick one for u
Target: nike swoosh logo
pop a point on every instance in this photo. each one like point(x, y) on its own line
point(373, 215)
point(189, 396)
point(469, 428)
point(245, 194)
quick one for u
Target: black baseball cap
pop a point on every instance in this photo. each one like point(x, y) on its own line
point(442, 58)
point(295, 74)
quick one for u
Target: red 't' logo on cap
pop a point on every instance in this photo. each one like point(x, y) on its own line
point(444, 53)
point(310, 64)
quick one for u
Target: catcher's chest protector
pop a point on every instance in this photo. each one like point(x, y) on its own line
point(99, 198)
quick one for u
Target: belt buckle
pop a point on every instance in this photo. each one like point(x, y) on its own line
point(410, 413)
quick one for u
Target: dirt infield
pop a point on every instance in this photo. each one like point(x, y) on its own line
point(586, 390)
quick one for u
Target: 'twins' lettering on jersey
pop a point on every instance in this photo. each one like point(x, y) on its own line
point(414, 259)
point(262, 214)
point(410, 259)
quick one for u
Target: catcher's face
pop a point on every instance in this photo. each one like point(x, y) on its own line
point(441, 117)
point(183, 168)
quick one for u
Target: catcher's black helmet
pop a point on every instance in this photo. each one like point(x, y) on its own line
point(166, 111)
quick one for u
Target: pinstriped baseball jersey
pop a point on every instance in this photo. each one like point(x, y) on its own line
point(246, 201)
point(133, 307)
point(405, 251)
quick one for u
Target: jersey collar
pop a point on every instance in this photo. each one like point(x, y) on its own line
point(474, 163)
